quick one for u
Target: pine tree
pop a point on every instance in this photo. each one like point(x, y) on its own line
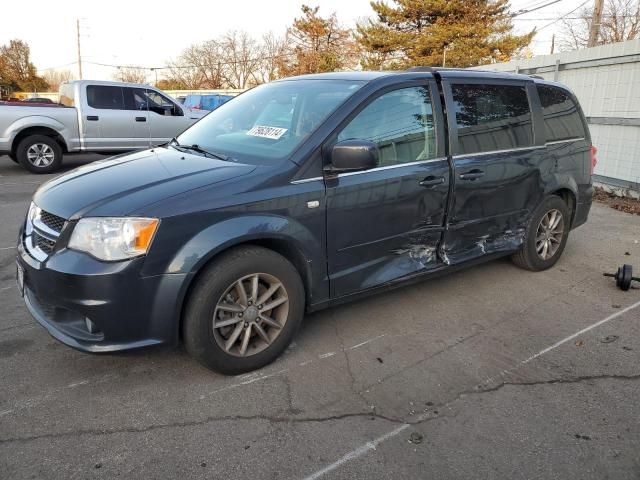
point(418, 32)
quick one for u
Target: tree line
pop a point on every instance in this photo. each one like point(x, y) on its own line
point(401, 34)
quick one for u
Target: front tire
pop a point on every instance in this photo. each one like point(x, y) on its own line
point(39, 154)
point(243, 310)
point(546, 235)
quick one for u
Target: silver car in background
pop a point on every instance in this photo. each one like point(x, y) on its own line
point(92, 116)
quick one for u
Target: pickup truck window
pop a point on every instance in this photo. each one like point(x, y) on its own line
point(264, 125)
point(105, 97)
point(562, 120)
point(492, 117)
point(400, 123)
point(142, 99)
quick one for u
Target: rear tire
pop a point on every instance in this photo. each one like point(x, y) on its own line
point(39, 154)
point(546, 235)
point(225, 329)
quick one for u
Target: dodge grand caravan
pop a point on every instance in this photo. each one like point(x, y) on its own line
point(298, 195)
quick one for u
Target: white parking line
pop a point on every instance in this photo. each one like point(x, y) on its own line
point(563, 341)
point(7, 248)
point(358, 452)
point(371, 445)
point(256, 376)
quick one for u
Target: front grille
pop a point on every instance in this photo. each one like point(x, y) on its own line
point(52, 221)
point(43, 243)
point(41, 233)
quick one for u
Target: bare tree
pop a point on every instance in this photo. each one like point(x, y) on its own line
point(131, 75)
point(55, 77)
point(620, 22)
point(198, 66)
point(241, 59)
point(272, 50)
point(235, 60)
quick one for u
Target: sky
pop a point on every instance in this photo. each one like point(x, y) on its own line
point(148, 33)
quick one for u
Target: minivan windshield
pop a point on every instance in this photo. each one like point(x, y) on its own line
point(264, 125)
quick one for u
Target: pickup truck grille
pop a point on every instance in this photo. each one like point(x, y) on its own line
point(41, 233)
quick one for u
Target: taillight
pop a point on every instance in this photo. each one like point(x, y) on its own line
point(594, 160)
point(197, 107)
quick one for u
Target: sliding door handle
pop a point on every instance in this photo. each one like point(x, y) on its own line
point(432, 181)
point(472, 175)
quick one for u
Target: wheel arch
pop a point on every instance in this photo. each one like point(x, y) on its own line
point(39, 130)
point(569, 197)
point(296, 248)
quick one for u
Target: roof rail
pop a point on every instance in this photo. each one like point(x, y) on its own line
point(421, 69)
point(538, 77)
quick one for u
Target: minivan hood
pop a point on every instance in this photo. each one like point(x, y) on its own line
point(126, 183)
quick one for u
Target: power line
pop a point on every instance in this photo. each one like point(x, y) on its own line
point(563, 16)
point(524, 12)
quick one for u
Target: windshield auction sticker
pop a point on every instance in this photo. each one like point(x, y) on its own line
point(267, 132)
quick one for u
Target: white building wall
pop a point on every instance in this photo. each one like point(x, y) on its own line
point(606, 80)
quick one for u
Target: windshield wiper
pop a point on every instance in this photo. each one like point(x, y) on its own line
point(196, 148)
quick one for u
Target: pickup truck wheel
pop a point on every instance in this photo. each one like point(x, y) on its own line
point(243, 310)
point(39, 154)
point(546, 235)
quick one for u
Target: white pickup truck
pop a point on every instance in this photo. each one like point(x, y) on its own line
point(92, 116)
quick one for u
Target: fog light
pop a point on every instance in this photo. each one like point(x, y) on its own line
point(91, 327)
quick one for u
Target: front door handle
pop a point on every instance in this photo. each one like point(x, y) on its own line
point(432, 181)
point(472, 175)
point(93, 118)
point(141, 119)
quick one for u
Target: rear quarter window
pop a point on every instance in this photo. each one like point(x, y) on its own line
point(492, 117)
point(562, 118)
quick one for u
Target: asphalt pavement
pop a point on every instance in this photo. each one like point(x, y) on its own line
point(492, 372)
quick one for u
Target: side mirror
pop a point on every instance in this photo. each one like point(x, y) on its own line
point(354, 155)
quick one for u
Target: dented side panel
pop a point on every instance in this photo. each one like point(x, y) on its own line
point(383, 225)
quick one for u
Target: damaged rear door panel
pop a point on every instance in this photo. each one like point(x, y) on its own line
point(498, 160)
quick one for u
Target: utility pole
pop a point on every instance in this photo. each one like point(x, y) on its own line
point(553, 43)
point(596, 18)
point(79, 57)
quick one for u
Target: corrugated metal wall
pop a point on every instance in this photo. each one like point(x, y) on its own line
point(606, 80)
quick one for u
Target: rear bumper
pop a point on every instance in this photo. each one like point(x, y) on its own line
point(583, 206)
point(126, 310)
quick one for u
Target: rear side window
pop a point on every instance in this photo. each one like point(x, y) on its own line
point(492, 117)
point(562, 119)
point(105, 97)
point(400, 123)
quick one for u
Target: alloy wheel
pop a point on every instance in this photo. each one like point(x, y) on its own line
point(40, 155)
point(250, 314)
point(549, 234)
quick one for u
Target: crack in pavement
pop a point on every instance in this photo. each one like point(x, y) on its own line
point(278, 419)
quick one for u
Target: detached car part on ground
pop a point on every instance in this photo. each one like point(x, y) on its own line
point(299, 195)
point(92, 117)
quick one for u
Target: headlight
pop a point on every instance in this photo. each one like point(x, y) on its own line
point(114, 238)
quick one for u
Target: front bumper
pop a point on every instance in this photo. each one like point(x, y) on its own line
point(126, 309)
